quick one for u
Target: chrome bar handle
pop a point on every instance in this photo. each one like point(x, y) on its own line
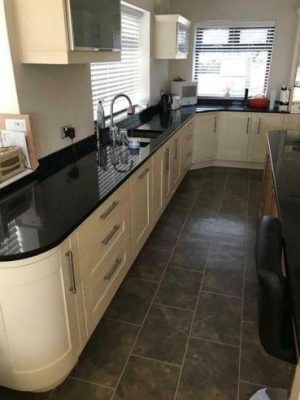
point(259, 126)
point(111, 235)
point(215, 127)
point(248, 123)
point(109, 210)
point(167, 159)
point(176, 149)
point(69, 256)
point(113, 269)
point(143, 174)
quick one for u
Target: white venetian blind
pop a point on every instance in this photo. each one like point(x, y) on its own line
point(229, 59)
point(109, 79)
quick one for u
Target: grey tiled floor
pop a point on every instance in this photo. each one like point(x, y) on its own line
point(183, 325)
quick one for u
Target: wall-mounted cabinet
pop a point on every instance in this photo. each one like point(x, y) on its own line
point(68, 31)
point(171, 39)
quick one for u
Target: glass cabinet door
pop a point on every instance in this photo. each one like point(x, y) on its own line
point(94, 24)
point(183, 34)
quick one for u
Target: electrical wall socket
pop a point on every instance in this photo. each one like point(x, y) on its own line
point(17, 125)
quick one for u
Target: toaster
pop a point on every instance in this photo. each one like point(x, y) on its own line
point(11, 162)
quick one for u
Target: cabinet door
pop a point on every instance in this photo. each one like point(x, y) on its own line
point(292, 122)
point(234, 136)
point(187, 146)
point(264, 124)
point(175, 161)
point(183, 35)
point(71, 277)
point(167, 187)
point(158, 184)
point(268, 198)
point(141, 205)
point(205, 137)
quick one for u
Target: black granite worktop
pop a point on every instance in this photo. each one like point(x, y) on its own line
point(284, 148)
point(40, 214)
point(215, 105)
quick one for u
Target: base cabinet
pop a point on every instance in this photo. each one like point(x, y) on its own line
point(268, 204)
point(234, 136)
point(51, 304)
point(176, 159)
point(187, 135)
point(141, 206)
point(39, 333)
point(205, 137)
point(263, 123)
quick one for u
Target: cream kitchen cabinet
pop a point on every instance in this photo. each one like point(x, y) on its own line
point(263, 123)
point(161, 181)
point(45, 32)
point(187, 134)
point(234, 136)
point(141, 206)
point(59, 297)
point(205, 137)
point(39, 332)
point(104, 254)
point(292, 122)
point(171, 37)
point(176, 159)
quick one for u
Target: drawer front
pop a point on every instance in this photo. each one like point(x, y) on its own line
point(102, 221)
point(107, 240)
point(103, 281)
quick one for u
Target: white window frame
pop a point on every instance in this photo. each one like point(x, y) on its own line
point(225, 24)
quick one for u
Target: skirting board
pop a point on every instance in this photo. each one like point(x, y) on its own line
point(228, 164)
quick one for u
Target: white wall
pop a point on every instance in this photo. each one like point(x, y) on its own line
point(8, 90)
point(284, 12)
point(58, 95)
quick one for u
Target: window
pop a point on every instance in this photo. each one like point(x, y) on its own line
point(229, 59)
point(109, 79)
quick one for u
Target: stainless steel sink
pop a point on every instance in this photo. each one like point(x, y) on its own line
point(146, 133)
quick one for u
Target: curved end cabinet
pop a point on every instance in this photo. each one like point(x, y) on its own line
point(39, 341)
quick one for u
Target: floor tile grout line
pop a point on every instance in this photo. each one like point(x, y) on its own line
point(121, 321)
point(264, 386)
point(74, 378)
point(152, 301)
point(170, 306)
point(243, 294)
point(198, 296)
point(186, 269)
point(156, 360)
point(231, 296)
point(201, 339)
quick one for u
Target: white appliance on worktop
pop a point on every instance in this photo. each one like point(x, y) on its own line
point(186, 90)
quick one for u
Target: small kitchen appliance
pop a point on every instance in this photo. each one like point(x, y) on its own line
point(11, 162)
point(166, 101)
point(176, 104)
point(186, 90)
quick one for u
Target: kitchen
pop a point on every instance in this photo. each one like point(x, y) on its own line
point(127, 256)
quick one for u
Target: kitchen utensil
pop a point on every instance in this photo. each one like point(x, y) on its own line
point(166, 101)
point(258, 101)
